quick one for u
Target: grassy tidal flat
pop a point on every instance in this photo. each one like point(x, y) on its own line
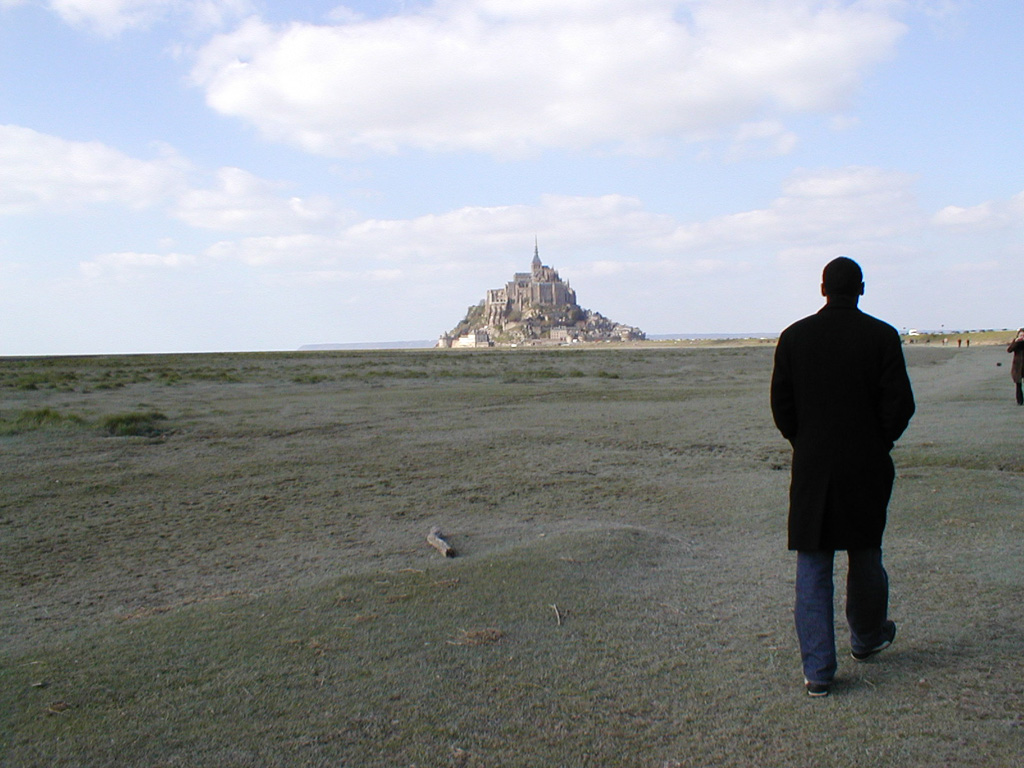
point(221, 560)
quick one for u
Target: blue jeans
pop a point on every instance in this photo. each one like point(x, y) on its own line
point(867, 606)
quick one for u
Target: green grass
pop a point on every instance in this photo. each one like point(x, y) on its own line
point(131, 424)
point(372, 670)
point(134, 424)
point(40, 418)
point(255, 588)
point(610, 649)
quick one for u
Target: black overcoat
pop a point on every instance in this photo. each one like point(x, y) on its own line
point(840, 394)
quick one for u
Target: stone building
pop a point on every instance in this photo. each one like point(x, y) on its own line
point(541, 287)
point(475, 338)
point(534, 307)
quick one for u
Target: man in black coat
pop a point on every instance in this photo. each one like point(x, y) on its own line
point(841, 396)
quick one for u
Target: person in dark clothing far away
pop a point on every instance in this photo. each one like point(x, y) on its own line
point(1017, 366)
point(841, 395)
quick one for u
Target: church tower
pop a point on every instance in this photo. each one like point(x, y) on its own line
point(536, 266)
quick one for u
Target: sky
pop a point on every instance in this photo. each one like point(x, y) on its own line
point(222, 175)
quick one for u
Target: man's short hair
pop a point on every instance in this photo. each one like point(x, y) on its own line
point(842, 277)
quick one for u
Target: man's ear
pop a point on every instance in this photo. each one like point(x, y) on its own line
point(823, 290)
point(861, 290)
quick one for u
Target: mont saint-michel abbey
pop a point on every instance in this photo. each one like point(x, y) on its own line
point(535, 307)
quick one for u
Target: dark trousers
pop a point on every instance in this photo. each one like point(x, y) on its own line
point(867, 606)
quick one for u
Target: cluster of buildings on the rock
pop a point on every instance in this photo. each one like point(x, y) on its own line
point(536, 307)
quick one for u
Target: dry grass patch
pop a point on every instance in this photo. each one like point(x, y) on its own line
point(488, 636)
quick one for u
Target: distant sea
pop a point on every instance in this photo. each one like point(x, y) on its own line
point(428, 343)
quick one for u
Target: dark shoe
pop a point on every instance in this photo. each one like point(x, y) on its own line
point(890, 629)
point(816, 690)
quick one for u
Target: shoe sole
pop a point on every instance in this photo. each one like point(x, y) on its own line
point(865, 655)
point(868, 654)
point(816, 690)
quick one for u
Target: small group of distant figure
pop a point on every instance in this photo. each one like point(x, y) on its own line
point(1017, 366)
point(1016, 348)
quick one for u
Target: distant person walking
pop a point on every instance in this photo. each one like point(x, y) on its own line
point(841, 396)
point(1017, 366)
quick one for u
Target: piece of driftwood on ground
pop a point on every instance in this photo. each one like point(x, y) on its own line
point(436, 540)
point(487, 636)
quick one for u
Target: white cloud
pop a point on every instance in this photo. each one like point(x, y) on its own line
point(976, 216)
point(39, 171)
point(817, 212)
point(467, 238)
point(293, 251)
point(765, 138)
point(987, 215)
point(835, 210)
point(112, 17)
point(43, 172)
point(505, 77)
point(121, 264)
point(242, 202)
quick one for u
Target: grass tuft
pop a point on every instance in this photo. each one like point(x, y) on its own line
point(40, 418)
point(135, 424)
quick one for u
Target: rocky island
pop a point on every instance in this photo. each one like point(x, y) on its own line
point(535, 307)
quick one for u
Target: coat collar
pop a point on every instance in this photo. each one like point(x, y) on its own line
point(840, 302)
